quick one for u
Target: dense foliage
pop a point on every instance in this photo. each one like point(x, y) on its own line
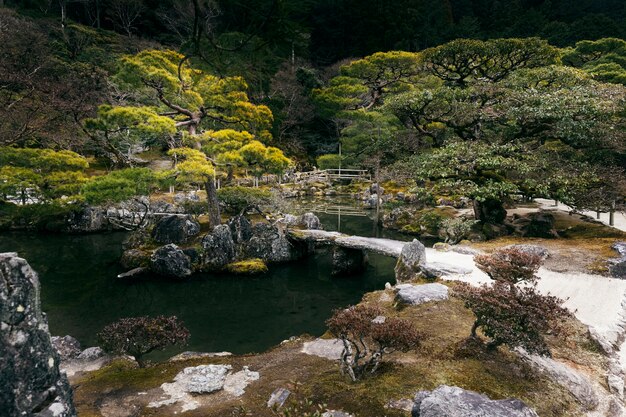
point(138, 336)
point(237, 200)
point(494, 101)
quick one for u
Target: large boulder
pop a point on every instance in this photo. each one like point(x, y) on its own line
point(87, 220)
point(175, 229)
point(617, 267)
point(135, 258)
point(240, 228)
point(29, 364)
point(310, 221)
point(307, 221)
point(409, 263)
point(447, 401)
point(420, 294)
point(576, 383)
point(348, 261)
point(489, 211)
point(219, 248)
point(270, 243)
point(536, 224)
point(170, 261)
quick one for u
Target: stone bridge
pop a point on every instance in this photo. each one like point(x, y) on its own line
point(349, 254)
point(385, 247)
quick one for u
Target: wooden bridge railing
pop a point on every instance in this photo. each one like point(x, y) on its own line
point(333, 174)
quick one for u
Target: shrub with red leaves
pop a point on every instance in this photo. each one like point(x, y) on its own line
point(512, 315)
point(510, 265)
point(367, 336)
point(138, 336)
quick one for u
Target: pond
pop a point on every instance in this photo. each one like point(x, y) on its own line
point(80, 293)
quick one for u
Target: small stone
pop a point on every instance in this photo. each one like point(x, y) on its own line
point(379, 319)
point(203, 378)
point(404, 404)
point(616, 384)
point(336, 413)
point(235, 384)
point(278, 397)
point(324, 348)
point(67, 346)
point(91, 353)
point(441, 247)
point(420, 294)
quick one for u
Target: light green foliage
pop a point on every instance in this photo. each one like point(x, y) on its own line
point(365, 82)
point(192, 166)
point(43, 175)
point(369, 137)
point(170, 96)
point(456, 229)
point(237, 199)
point(478, 170)
point(118, 130)
point(505, 117)
point(120, 186)
point(239, 149)
point(605, 59)
point(195, 95)
point(328, 161)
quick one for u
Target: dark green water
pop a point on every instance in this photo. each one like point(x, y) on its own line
point(80, 293)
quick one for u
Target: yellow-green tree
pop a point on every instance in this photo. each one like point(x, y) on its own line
point(193, 167)
point(40, 175)
point(212, 117)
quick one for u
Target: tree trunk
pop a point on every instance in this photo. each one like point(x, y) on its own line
point(489, 211)
point(98, 14)
point(63, 12)
point(214, 206)
point(474, 328)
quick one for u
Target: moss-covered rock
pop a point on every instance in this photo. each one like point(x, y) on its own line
point(418, 222)
point(247, 267)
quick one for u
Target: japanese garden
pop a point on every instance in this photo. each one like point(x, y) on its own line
point(281, 208)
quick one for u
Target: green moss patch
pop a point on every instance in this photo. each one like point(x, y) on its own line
point(247, 267)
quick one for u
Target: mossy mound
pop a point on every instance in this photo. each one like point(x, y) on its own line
point(418, 222)
point(247, 267)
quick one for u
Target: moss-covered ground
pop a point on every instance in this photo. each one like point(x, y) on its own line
point(445, 357)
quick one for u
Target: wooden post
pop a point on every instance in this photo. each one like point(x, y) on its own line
point(612, 214)
point(598, 214)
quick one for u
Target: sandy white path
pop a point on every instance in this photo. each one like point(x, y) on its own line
point(595, 300)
